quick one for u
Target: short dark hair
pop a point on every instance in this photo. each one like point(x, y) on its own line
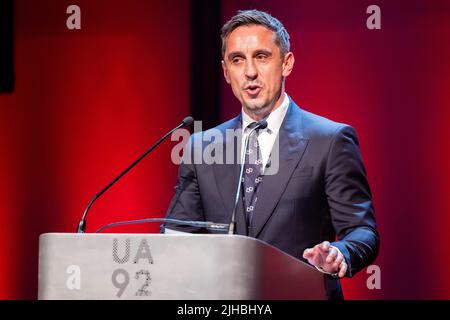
point(256, 17)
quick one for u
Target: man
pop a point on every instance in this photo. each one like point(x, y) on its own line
point(320, 189)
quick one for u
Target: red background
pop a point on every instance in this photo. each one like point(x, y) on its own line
point(88, 102)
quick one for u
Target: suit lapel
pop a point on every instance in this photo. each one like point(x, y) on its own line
point(292, 146)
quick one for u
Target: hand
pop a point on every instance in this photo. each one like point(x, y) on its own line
point(326, 257)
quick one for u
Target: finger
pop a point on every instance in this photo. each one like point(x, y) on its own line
point(317, 260)
point(332, 255)
point(338, 261)
point(308, 253)
point(314, 256)
point(311, 255)
point(324, 246)
point(343, 269)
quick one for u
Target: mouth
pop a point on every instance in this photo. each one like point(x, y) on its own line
point(252, 89)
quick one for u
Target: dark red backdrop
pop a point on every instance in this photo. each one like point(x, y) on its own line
point(88, 102)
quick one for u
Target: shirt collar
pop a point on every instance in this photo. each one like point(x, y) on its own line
point(274, 119)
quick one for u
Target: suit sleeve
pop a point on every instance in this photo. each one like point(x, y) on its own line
point(186, 203)
point(350, 202)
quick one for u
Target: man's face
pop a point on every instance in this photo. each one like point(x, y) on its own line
point(253, 66)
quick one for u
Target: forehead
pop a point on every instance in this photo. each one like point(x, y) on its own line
point(250, 37)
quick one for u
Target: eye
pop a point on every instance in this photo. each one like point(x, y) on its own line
point(236, 60)
point(261, 57)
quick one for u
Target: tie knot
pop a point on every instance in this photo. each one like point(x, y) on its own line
point(252, 125)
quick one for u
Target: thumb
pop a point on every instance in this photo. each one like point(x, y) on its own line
point(308, 253)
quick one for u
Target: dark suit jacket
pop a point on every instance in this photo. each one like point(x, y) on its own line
point(320, 192)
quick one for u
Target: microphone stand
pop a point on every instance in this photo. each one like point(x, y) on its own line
point(82, 224)
point(262, 124)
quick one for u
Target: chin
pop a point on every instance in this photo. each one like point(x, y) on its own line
point(257, 109)
point(254, 107)
point(255, 104)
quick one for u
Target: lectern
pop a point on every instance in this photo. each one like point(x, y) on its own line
point(176, 266)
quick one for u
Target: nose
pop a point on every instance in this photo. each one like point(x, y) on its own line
point(251, 73)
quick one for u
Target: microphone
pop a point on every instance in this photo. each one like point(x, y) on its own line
point(198, 224)
point(82, 224)
point(186, 122)
point(261, 124)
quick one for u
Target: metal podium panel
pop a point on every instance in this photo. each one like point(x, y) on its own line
point(179, 266)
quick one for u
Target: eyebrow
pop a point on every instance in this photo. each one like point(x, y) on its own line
point(263, 51)
point(234, 54)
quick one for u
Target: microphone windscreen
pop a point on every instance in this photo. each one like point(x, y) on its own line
point(262, 124)
point(187, 121)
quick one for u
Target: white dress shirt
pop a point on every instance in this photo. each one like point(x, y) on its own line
point(267, 136)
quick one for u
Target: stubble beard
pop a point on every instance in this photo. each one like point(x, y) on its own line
point(260, 110)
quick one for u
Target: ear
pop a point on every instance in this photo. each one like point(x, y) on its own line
point(225, 72)
point(288, 64)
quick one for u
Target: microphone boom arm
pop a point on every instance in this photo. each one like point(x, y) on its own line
point(201, 224)
point(82, 224)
